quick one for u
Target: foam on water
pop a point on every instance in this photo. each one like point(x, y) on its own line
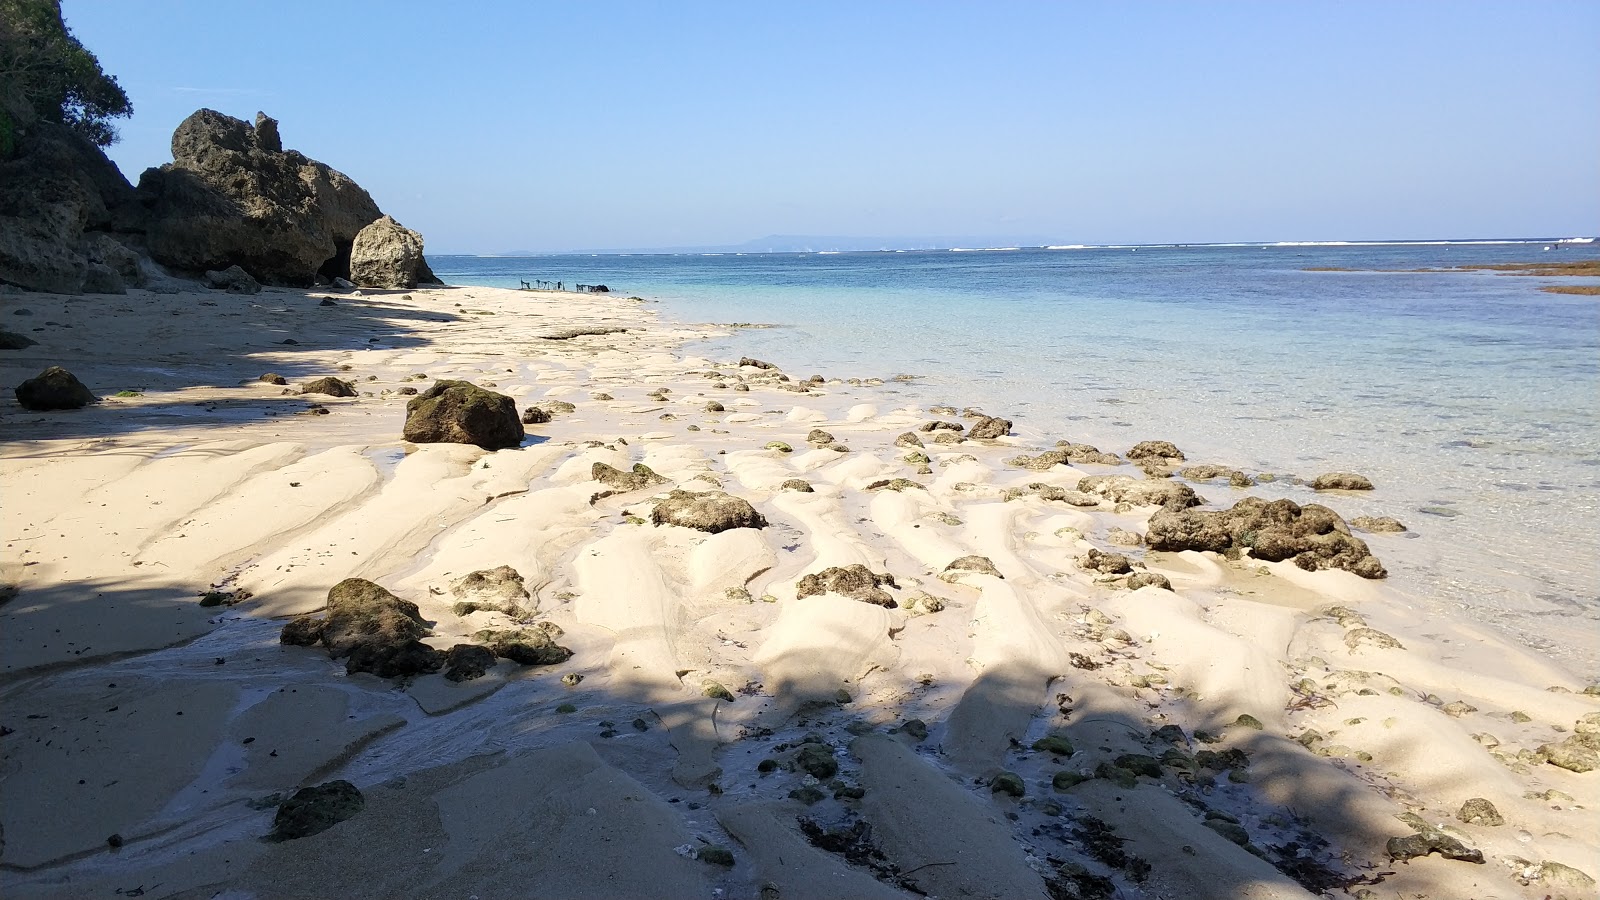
point(1469, 398)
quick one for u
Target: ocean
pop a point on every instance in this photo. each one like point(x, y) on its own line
point(1471, 399)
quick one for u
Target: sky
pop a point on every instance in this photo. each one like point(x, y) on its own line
point(495, 126)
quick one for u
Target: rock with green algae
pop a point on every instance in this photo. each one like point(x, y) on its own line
point(642, 476)
point(716, 856)
point(855, 581)
point(1067, 779)
point(1479, 811)
point(716, 691)
point(459, 412)
point(1009, 783)
point(779, 446)
point(816, 760)
point(1054, 743)
point(807, 795)
point(1140, 764)
point(1246, 720)
point(710, 511)
point(1578, 753)
point(313, 810)
point(528, 646)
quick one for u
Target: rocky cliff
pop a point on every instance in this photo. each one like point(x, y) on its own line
point(70, 222)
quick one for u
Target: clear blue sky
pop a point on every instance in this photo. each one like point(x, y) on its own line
point(546, 126)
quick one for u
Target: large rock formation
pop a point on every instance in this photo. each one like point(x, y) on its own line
point(1313, 536)
point(232, 196)
point(387, 254)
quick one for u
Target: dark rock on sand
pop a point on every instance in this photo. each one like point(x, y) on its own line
point(1314, 536)
point(989, 428)
point(757, 363)
point(303, 631)
point(361, 612)
point(1431, 841)
point(797, 484)
point(894, 484)
point(928, 427)
point(818, 436)
point(10, 340)
point(1008, 783)
point(54, 388)
point(641, 477)
point(1169, 495)
point(1377, 524)
point(333, 387)
point(464, 662)
point(1164, 450)
point(394, 660)
point(708, 511)
point(273, 378)
point(908, 439)
point(981, 565)
point(313, 810)
point(1341, 481)
point(1207, 472)
point(386, 254)
point(234, 280)
point(533, 415)
point(102, 279)
point(816, 759)
point(528, 646)
point(1105, 563)
point(1478, 811)
point(459, 412)
point(1578, 753)
point(855, 581)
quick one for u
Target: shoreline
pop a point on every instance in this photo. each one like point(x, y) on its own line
point(288, 502)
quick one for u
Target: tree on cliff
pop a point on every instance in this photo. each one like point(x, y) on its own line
point(45, 73)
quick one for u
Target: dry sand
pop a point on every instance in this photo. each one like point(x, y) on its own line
point(131, 710)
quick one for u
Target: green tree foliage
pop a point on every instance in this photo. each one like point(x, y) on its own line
point(44, 69)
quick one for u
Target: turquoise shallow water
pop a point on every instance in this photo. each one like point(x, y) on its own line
point(1473, 396)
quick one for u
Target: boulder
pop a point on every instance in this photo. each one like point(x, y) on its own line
point(500, 588)
point(233, 195)
point(527, 646)
point(708, 511)
point(54, 388)
point(313, 810)
point(332, 387)
point(234, 280)
point(855, 581)
point(464, 662)
point(394, 660)
point(1313, 536)
point(372, 629)
point(642, 476)
point(534, 415)
point(1155, 450)
point(459, 412)
point(107, 251)
point(386, 254)
point(989, 428)
point(102, 279)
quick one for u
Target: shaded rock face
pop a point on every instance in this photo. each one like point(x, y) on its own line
point(1313, 536)
point(372, 629)
point(313, 810)
point(55, 192)
point(10, 340)
point(234, 280)
point(708, 511)
point(386, 254)
point(233, 196)
point(464, 662)
point(54, 388)
point(856, 582)
point(459, 412)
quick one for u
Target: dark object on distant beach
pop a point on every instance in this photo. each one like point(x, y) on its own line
point(533, 415)
point(10, 340)
point(394, 660)
point(567, 334)
point(855, 581)
point(1341, 481)
point(990, 427)
point(313, 810)
point(1314, 536)
point(273, 378)
point(757, 363)
point(459, 412)
point(331, 386)
point(234, 280)
point(1155, 450)
point(54, 388)
point(386, 254)
point(709, 511)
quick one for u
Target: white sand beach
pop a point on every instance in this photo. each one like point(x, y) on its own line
point(1017, 726)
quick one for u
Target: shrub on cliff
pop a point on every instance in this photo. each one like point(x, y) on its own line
point(45, 73)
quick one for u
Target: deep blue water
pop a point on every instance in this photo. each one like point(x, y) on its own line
point(1473, 393)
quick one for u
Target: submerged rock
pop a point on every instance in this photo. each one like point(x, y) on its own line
point(642, 476)
point(54, 388)
point(10, 340)
point(709, 511)
point(756, 363)
point(1207, 472)
point(394, 660)
point(1341, 481)
point(459, 412)
point(1378, 524)
point(313, 810)
point(1313, 536)
point(856, 582)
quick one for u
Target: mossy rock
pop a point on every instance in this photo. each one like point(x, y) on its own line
point(816, 760)
point(1140, 764)
point(1056, 744)
point(313, 810)
point(1009, 783)
point(716, 856)
point(807, 795)
point(716, 691)
point(1066, 780)
point(1246, 720)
